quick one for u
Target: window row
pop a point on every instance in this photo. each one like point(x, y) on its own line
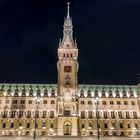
point(110, 102)
point(113, 125)
point(28, 125)
point(112, 114)
point(109, 93)
point(24, 101)
point(27, 114)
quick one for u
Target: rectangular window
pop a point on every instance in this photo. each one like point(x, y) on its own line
point(125, 103)
point(82, 114)
point(136, 125)
point(132, 103)
point(22, 102)
point(90, 114)
point(90, 102)
point(82, 102)
point(52, 102)
point(118, 103)
point(103, 102)
point(111, 102)
point(127, 114)
point(14, 101)
point(51, 114)
point(135, 114)
point(7, 101)
point(45, 102)
point(30, 102)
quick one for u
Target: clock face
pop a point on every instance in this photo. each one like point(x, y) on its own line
point(67, 69)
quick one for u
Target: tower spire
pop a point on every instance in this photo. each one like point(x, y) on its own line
point(68, 10)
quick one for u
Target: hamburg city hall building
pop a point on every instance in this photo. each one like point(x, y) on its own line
point(67, 108)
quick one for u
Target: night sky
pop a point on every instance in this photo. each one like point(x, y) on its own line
point(107, 33)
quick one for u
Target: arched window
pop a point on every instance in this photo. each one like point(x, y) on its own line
point(43, 124)
point(51, 125)
point(89, 93)
point(105, 125)
point(82, 93)
point(131, 93)
point(128, 125)
point(83, 126)
point(67, 55)
point(4, 125)
point(53, 93)
point(110, 93)
point(113, 125)
point(12, 125)
point(121, 125)
point(20, 124)
point(45, 93)
point(117, 93)
point(90, 124)
point(28, 125)
point(103, 93)
point(124, 93)
point(96, 93)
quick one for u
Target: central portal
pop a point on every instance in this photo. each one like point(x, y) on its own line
point(67, 128)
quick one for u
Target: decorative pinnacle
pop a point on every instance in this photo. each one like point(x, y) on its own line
point(68, 10)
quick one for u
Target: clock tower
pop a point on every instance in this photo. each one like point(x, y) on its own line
point(67, 67)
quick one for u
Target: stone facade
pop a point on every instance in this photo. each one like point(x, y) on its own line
point(67, 108)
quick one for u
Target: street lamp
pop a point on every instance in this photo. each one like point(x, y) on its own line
point(37, 101)
point(97, 99)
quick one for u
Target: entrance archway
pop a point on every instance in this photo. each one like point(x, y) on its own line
point(67, 128)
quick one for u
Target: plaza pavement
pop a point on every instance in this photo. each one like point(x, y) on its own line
point(68, 138)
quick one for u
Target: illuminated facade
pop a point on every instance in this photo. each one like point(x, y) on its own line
point(68, 108)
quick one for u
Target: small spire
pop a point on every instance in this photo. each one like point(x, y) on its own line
point(68, 10)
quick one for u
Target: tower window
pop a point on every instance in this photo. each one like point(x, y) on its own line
point(67, 68)
point(67, 45)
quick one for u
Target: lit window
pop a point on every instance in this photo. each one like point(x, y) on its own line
point(105, 125)
point(51, 125)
